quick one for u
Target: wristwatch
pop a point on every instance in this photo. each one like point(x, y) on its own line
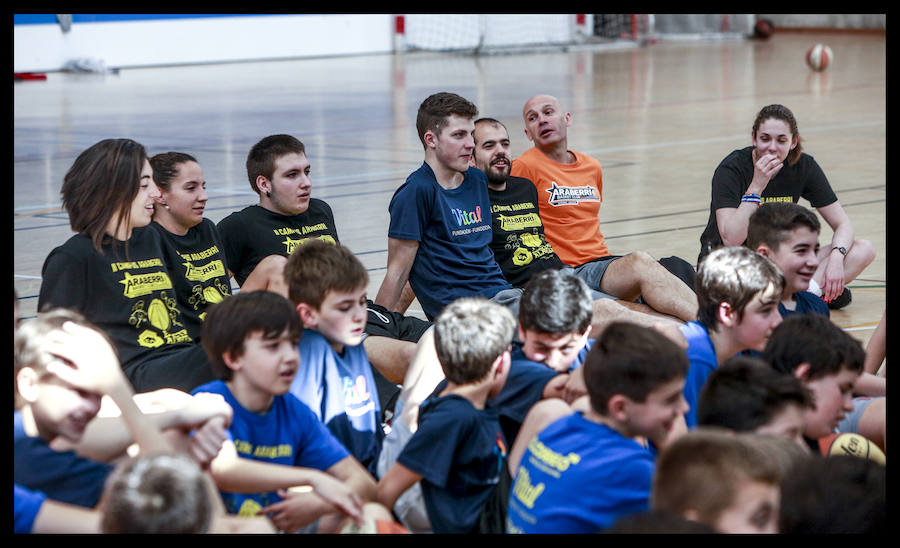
point(843, 250)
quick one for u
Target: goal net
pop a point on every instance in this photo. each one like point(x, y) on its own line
point(492, 32)
point(484, 32)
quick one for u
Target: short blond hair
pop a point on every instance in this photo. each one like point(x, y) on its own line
point(469, 334)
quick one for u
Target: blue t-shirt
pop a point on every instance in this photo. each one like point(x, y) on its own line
point(578, 476)
point(340, 389)
point(453, 228)
point(702, 357)
point(458, 450)
point(61, 475)
point(806, 303)
point(288, 434)
point(26, 505)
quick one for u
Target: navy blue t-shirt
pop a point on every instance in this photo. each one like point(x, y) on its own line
point(806, 303)
point(458, 450)
point(60, 475)
point(453, 229)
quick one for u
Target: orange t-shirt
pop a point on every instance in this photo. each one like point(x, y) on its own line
point(569, 198)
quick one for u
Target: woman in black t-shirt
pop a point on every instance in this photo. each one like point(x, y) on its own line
point(773, 169)
point(192, 248)
point(112, 271)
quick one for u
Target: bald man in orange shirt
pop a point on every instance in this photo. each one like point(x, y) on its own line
point(570, 186)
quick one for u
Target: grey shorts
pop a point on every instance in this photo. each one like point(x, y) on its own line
point(592, 272)
point(850, 422)
point(509, 298)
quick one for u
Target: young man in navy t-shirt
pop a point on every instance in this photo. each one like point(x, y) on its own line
point(440, 222)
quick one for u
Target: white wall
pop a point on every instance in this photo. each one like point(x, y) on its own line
point(828, 20)
point(120, 44)
point(179, 40)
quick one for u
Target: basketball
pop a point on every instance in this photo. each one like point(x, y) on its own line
point(819, 57)
point(853, 445)
point(763, 29)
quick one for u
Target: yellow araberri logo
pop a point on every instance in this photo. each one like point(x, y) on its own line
point(144, 284)
point(512, 223)
point(212, 269)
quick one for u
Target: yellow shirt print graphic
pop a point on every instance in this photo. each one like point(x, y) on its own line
point(212, 269)
point(162, 314)
point(139, 285)
point(290, 244)
point(513, 223)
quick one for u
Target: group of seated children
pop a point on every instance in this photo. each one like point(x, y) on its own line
point(517, 409)
point(553, 433)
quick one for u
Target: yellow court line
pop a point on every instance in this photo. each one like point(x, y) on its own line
point(862, 326)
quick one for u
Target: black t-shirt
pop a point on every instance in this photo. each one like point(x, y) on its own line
point(805, 179)
point(131, 298)
point(519, 245)
point(196, 263)
point(253, 233)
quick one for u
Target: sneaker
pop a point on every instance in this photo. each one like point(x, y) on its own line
point(841, 300)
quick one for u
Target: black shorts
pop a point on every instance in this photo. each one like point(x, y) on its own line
point(384, 323)
point(184, 368)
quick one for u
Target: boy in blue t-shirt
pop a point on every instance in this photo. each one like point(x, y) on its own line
point(634, 377)
point(276, 443)
point(327, 285)
point(738, 292)
point(458, 452)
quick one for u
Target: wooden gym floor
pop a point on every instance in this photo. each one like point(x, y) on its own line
point(659, 118)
